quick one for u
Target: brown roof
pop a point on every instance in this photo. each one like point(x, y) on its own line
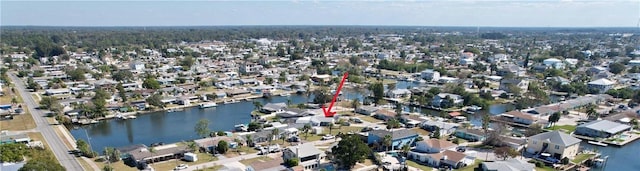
point(212, 141)
point(519, 114)
point(454, 114)
point(439, 144)
point(386, 112)
point(454, 155)
point(264, 165)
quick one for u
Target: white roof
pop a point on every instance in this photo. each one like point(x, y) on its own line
point(602, 81)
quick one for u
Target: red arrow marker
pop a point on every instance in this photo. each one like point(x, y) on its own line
point(327, 112)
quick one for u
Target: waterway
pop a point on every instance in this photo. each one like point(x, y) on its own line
point(620, 158)
point(170, 127)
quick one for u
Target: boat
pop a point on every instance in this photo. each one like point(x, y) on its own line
point(597, 143)
point(241, 127)
point(285, 94)
point(410, 79)
point(171, 110)
point(132, 117)
point(230, 101)
point(119, 116)
point(207, 105)
point(93, 122)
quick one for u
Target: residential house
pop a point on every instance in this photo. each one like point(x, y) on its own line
point(250, 68)
point(445, 127)
point(273, 108)
point(430, 75)
point(447, 158)
point(308, 155)
point(517, 117)
point(143, 156)
point(556, 143)
point(6, 138)
point(384, 114)
point(508, 85)
point(366, 110)
point(433, 145)
point(440, 100)
point(507, 165)
point(60, 91)
point(601, 129)
point(602, 85)
point(399, 138)
point(209, 144)
point(473, 135)
point(398, 93)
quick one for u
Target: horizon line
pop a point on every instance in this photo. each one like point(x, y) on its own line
point(329, 25)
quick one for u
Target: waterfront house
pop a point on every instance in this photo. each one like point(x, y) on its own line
point(60, 91)
point(507, 165)
point(366, 110)
point(509, 84)
point(293, 113)
point(209, 144)
point(143, 156)
point(514, 142)
point(273, 108)
point(399, 137)
point(444, 127)
point(398, 93)
point(602, 85)
point(473, 135)
point(601, 129)
point(516, 117)
point(447, 158)
point(430, 75)
point(308, 155)
point(440, 100)
point(384, 114)
point(557, 144)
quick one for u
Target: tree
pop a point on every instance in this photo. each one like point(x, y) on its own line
point(112, 154)
point(257, 105)
point(151, 83)
point(485, 122)
point(48, 164)
point(14, 100)
point(268, 80)
point(107, 168)
point(187, 62)
point(405, 150)
point(350, 150)
point(534, 129)
point(155, 100)
point(355, 103)
point(202, 127)
point(591, 111)
point(306, 128)
point(553, 118)
point(505, 152)
point(122, 75)
point(378, 92)
point(253, 126)
point(275, 133)
point(616, 68)
point(13, 152)
point(191, 145)
point(222, 147)
point(121, 92)
point(249, 140)
point(330, 125)
point(386, 141)
point(291, 162)
point(435, 134)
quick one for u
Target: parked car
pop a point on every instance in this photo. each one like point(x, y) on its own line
point(461, 148)
point(366, 129)
point(294, 139)
point(328, 137)
point(181, 167)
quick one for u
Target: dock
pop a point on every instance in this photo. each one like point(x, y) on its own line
point(600, 142)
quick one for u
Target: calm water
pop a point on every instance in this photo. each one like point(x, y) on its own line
point(620, 158)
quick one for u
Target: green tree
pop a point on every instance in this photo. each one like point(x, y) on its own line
point(257, 105)
point(187, 62)
point(121, 92)
point(553, 118)
point(485, 122)
point(202, 127)
point(13, 152)
point(386, 141)
point(616, 68)
point(41, 164)
point(355, 103)
point(112, 154)
point(122, 75)
point(107, 168)
point(350, 150)
point(249, 140)
point(268, 80)
point(378, 92)
point(505, 152)
point(291, 162)
point(222, 147)
point(151, 83)
point(155, 100)
point(306, 129)
point(275, 133)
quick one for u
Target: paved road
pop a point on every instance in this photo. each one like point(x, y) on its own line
point(67, 160)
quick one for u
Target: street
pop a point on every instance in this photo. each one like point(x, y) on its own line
point(67, 160)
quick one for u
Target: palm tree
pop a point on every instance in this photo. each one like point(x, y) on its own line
point(289, 102)
point(330, 127)
point(257, 105)
point(274, 133)
point(306, 130)
point(405, 150)
point(355, 103)
point(192, 146)
point(239, 143)
point(249, 139)
point(386, 141)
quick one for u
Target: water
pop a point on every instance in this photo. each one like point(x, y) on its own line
point(170, 127)
point(620, 158)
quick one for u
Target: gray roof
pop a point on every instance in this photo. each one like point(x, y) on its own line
point(509, 165)
point(397, 134)
point(556, 137)
point(305, 150)
point(606, 125)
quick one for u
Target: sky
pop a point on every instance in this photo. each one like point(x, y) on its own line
point(481, 13)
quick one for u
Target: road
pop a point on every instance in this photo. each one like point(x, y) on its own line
point(61, 152)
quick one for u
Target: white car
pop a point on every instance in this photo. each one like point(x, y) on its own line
point(328, 137)
point(181, 166)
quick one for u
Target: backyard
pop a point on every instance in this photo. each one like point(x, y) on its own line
point(564, 128)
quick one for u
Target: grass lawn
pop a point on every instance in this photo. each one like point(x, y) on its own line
point(116, 166)
point(217, 167)
point(325, 130)
point(241, 150)
point(471, 167)
point(581, 157)
point(257, 159)
point(84, 163)
point(421, 131)
point(19, 122)
point(564, 128)
point(369, 119)
point(419, 166)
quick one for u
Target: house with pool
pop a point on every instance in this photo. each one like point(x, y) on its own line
point(399, 138)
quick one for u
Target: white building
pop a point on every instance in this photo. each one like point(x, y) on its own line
point(430, 75)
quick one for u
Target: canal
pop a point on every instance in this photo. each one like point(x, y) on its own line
point(170, 127)
point(620, 158)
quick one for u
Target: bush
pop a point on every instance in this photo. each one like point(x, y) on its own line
point(565, 160)
point(220, 133)
point(222, 147)
point(291, 162)
point(456, 141)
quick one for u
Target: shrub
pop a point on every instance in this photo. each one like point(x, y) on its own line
point(291, 162)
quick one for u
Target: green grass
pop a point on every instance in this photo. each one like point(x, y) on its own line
point(419, 166)
point(369, 119)
point(564, 128)
point(471, 167)
point(545, 168)
point(581, 157)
